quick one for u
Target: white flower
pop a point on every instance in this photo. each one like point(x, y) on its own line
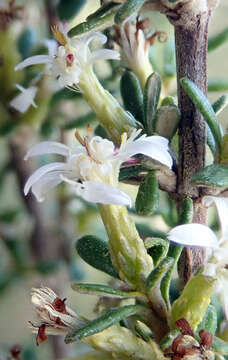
point(93, 167)
point(135, 49)
point(53, 316)
point(26, 98)
point(72, 58)
point(202, 235)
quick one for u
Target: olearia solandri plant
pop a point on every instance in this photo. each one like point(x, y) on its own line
point(150, 313)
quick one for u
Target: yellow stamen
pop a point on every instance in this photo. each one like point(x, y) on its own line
point(60, 37)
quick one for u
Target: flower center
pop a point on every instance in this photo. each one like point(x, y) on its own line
point(69, 59)
point(85, 142)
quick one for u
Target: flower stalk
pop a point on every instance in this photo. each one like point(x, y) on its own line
point(127, 249)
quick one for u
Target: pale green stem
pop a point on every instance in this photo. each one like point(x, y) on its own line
point(127, 249)
point(110, 114)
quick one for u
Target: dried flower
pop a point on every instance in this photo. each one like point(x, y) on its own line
point(54, 317)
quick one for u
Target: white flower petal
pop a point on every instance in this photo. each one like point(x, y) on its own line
point(24, 100)
point(103, 54)
point(55, 168)
point(102, 193)
point(155, 147)
point(52, 46)
point(46, 183)
point(99, 192)
point(222, 208)
point(34, 60)
point(193, 235)
point(48, 147)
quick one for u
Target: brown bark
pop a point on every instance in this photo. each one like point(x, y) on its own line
point(191, 57)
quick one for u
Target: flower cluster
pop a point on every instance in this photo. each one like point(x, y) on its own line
point(93, 167)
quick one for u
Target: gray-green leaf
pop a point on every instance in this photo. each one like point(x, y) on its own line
point(151, 97)
point(204, 106)
point(215, 176)
point(111, 317)
point(95, 252)
point(128, 8)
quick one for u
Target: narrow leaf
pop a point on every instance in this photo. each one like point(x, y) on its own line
point(132, 94)
point(215, 176)
point(209, 322)
point(95, 252)
point(158, 273)
point(157, 248)
point(147, 199)
point(167, 120)
point(210, 140)
point(104, 290)
point(129, 172)
point(151, 97)
point(204, 106)
point(128, 8)
point(98, 21)
point(220, 104)
point(103, 322)
point(218, 40)
point(186, 212)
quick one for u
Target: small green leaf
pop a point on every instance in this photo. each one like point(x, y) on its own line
point(217, 85)
point(154, 279)
point(111, 317)
point(95, 252)
point(128, 8)
point(168, 100)
point(151, 97)
point(157, 248)
point(97, 21)
point(132, 94)
point(209, 322)
point(174, 253)
point(186, 212)
point(193, 301)
point(129, 172)
point(80, 121)
point(102, 290)
point(220, 346)
point(218, 40)
point(204, 106)
point(167, 120)
point(147, 199)
point(215, 176)
point(220, 104)
point(210, 140)
point(103, 10)
point(68, 9)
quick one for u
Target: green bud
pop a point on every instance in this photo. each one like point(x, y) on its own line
point(193, 301)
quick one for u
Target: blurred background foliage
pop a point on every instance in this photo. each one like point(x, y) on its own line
point(38, 240)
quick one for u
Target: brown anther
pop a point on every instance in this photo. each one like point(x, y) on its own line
point(176, 343)
point(86, 141)
point(41, 336)
point(15, 351)
point(79, 138)
point(60, 37)
point(59, 305)
point(160, 35)
point(206, 339)
point(184, 327)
